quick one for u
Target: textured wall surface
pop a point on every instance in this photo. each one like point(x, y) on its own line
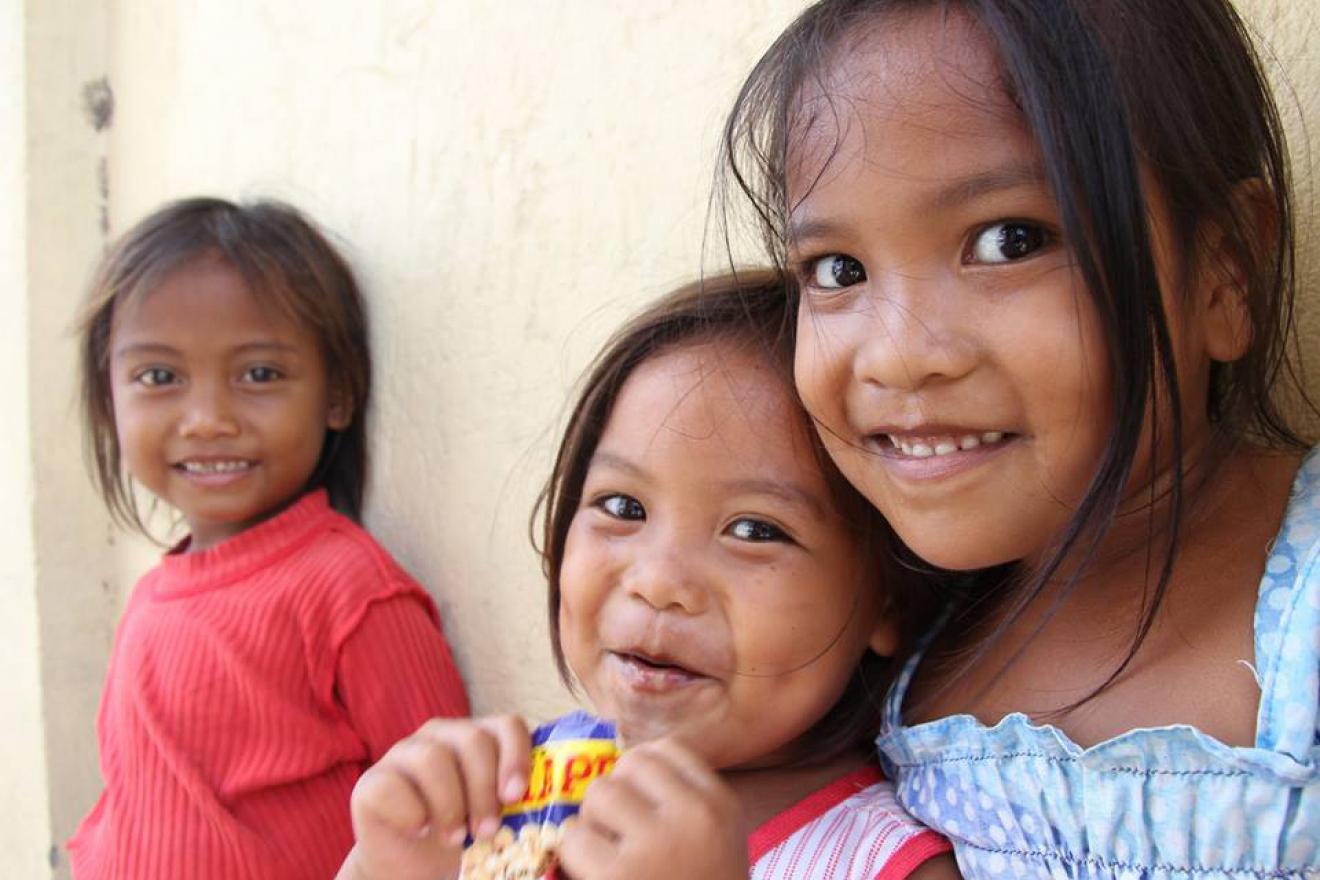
point(1289, 36)
point(510, 179)
point(24, 795)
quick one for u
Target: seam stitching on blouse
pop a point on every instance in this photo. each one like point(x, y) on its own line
point(1096, 861)
point(1055, 759)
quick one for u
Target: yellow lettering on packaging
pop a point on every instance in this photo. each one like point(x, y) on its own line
point(562, 770)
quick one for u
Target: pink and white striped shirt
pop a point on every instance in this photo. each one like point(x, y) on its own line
point(852, 829)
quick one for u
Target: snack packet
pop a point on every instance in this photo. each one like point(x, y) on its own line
point(567, 755)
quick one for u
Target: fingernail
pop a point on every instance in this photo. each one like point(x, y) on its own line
point(488, 827)
point(457, 836)
point(514, 787)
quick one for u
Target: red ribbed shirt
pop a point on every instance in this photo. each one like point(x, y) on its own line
point(249, 686)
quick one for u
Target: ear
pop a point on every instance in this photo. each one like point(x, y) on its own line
point(339, 411)
point(1227, 263)
point(884, 637)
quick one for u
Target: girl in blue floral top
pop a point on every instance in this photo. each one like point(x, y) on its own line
point(1045, 249)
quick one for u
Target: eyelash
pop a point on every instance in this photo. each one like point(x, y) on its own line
point(163, 376)
point(603, 504)
point(142, 377)
point(765, 531)
point(1040, 236)
point(274, 374)
point(1036, 238)
point(776, 534)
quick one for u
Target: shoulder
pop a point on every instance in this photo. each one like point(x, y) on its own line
point(1287, 619)
point(1290, 584)
point(343, 570)
point(1301, 519)
point(890, 843)
point(344, 551)
point(851, 832)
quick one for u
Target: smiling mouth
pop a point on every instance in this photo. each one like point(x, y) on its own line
point(214, 467)
point(936, 445)
point(653, 674)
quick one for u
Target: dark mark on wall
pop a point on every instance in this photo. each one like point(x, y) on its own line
point(99, 103)
point(103, 190)
point(53, 856)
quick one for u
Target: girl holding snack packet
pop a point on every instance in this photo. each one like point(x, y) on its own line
point(727, 603)
point(278, 650)
point(1045, 249)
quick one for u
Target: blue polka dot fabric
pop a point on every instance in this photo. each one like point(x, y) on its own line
point(1171, 803)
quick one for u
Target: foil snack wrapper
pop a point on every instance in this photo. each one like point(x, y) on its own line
point(568, 754)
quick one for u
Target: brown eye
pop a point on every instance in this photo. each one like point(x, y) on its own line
point(622, 507)
point(756, 530)
point(1006, 242)
point(261, 374)
point(837, 271)
point(153, 376)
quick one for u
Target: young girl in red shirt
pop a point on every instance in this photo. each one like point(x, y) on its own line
point(277, 650)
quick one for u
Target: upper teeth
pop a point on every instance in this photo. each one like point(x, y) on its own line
point(213, 467)
point(929, 446)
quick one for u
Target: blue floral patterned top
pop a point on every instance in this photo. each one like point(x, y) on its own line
point(1022, 800)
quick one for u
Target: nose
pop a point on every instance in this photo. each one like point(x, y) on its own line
point(915, 332)
point(667, 578)
point(209, 411)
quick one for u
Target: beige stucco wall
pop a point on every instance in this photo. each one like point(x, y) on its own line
point(24, 795)
point(509, 178)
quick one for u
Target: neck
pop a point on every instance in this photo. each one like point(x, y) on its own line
point(1141, 532)
point(767, 791)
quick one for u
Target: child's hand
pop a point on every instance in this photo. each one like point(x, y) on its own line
point(662, 813)
point(412, 810)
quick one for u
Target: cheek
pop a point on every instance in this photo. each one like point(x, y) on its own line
point(581, 588)
point(1071, 375)
point(133, 431)
point(816, 369)
point(796, 620)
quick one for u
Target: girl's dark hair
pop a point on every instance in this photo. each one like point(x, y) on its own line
point(287, 263)
point(757, 308)
point(1111, 90)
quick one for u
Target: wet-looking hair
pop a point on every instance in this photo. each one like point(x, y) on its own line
point(287, 265)
point(755, 308)
point(1116, 93)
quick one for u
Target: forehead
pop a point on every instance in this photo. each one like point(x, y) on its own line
point(917, 94)
point(712, 398)
point(203, 296)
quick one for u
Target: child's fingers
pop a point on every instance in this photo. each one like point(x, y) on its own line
point(687, 763)
point(586, 849)
point(515, 753)
point(614, 803)
point(667, 772)
point(430, 764)
point(446, 779)
point(386, 796)
point(477, 754)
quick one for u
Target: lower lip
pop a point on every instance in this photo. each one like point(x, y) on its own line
point(934, 467)
point(654, 680)
point(215, 479)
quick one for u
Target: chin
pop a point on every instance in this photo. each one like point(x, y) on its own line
point(963, 552)
point(634, 732)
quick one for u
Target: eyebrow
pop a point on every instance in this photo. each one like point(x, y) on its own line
point(956, 192)
point(145, 348)
point(785, 490)
point(160, 348)
point(618, 462)
point(973, 186)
